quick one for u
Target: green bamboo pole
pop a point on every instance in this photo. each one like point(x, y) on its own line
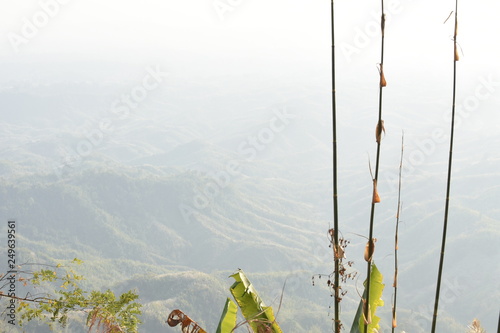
point(448, 183)
point(379, 129)
point(335, 193)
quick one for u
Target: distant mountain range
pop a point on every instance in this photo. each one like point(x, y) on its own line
point(181, 193)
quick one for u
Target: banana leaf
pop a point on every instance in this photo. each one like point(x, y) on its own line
point(228, 318)
point(376, 289)
point(260, 317)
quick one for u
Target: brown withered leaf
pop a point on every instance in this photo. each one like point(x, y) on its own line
point(367, 312)
point(379, 129)
point(188, 325)
point(369, 249)
point(376, 197)
point(383, 82)
point(339, 252)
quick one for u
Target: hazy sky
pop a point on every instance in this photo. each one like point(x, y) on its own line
point(239, 36)
point(252, 42)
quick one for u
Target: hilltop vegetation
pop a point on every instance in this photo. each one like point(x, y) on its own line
point(119, 208)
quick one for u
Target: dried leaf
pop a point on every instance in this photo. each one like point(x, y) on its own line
point(339, 252)
point(177, 317)
point(394, 322)
point(383, 82)
point(475, 327)
point(379, 129)
point(370, 249)
point(395, 283)
point(100, 319)
point(457, 57)
point(376, 197)
point(368, 320)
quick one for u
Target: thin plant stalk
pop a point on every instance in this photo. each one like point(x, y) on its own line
point(335, 193)
point(398, 214)
point(498, 328)
point(379, 129)
point(448, 183)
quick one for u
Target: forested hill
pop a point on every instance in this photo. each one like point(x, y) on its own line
point(174, 197)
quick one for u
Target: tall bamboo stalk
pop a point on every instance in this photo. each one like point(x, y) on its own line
point(375, 199)
point(335, 194)
point(498, 328)
point(448, 183)
point(398, 213)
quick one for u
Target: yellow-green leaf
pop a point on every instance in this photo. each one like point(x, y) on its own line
point(228, 318)
point(376, 289)
point(259, 316)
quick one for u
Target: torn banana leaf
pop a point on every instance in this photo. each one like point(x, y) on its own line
point(228, 318)
point(376, 289)
point(260, 317)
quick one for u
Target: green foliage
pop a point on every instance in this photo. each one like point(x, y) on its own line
point(376, 289)
point(114, 313)
point(260, 317)
point(104, 310)
point(228, 318)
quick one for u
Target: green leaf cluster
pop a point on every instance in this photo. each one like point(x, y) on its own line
point(104, 310)
point(260, 317)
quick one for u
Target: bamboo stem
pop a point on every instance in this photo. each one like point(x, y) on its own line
point(398, 213)
point(335, 194)
point(377, 163)
point(498, 328)
point(448, 183)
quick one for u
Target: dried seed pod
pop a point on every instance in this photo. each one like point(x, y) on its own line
point(379, 129)
point(375, 197)
point(383, 82)
point(370, 249)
